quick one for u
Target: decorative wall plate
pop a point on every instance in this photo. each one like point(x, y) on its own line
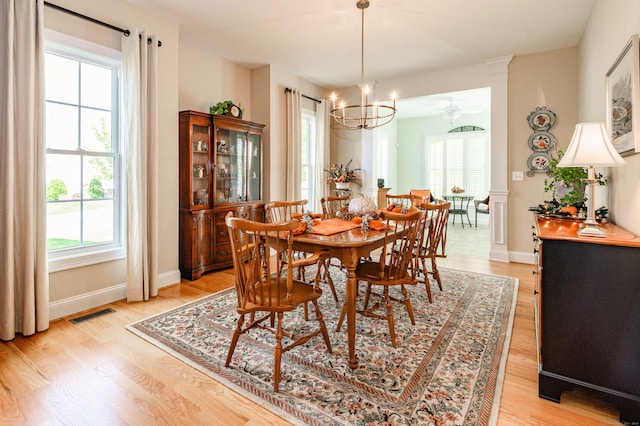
point(541, 119)
point(541, 141)
point(538, 162)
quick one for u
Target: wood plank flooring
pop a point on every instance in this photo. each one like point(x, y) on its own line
point(98, 373)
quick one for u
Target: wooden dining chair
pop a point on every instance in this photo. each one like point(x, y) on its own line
point(428, 249)
point(264, 288)
point(330, 208)
point(332, 205)
point(400, 200)
point(282, 211)
point(391, 270)
point(422, 196)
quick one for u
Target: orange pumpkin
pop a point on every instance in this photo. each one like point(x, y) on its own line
point(569, 209)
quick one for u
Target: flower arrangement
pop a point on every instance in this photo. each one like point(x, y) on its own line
point(342, 173)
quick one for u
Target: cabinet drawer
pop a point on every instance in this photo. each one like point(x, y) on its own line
point(220, 217)
point(223, 253)
point(222, 233)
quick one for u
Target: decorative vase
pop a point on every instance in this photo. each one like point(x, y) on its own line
point(342, 185)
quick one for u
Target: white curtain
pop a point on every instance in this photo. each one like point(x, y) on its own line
point(140, 111)
point(24, 279)
point(321, 155)
point(294, 165)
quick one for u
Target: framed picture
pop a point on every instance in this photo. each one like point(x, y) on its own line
point(623, 99)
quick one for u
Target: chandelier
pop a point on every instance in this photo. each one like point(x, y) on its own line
point(365, 115)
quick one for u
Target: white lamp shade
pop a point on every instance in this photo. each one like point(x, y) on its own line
point(591, 146)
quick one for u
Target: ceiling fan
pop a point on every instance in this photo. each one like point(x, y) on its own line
point(453, 112)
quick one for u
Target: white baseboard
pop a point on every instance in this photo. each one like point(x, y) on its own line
point(104, 296)
point(522, 257)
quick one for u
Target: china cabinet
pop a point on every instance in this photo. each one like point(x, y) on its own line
point(587, 307)
point(220, 170)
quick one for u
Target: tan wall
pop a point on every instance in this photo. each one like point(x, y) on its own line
point(545, 79)
point(279, 79)
point(206, 79)
point(610, 26)
point(101, 279)
point(192, 79)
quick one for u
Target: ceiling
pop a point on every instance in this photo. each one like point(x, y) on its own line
point(321, 40)
point(463, 102)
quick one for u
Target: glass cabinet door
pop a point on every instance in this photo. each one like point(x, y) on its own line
point(231, 166)
point(254, 175)
point(200, 165)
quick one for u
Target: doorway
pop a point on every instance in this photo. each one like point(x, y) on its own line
point(444, 140)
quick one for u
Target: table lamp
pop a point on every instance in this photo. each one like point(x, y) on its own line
point(591, 147)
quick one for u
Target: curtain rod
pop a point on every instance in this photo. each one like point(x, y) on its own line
point(287, 90)
point(127, 33)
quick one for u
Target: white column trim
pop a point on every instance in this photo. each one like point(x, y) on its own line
point(499, 75)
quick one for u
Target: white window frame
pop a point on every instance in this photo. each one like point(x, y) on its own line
point(468, 138)
point(77, 49)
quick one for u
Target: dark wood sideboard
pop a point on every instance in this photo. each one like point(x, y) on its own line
point(588, 313)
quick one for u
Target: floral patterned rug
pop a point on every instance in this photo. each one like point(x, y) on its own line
point(447, 369)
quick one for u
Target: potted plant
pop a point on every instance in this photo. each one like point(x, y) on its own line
point(342, 175)
point(567, 184)
point(226, 108)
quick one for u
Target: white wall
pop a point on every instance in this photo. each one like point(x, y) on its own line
point(347, 144)
point(412, 134)
point(611, 24)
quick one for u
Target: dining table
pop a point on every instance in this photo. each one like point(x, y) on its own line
point(349, 246)
point(459, 206)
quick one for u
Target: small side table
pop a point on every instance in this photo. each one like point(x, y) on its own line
point(459, 206)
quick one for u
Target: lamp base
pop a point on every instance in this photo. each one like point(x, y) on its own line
point(591, 230)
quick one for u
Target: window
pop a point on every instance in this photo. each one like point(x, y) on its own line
point(83, 162)
point(460, 159)
point(307, 154)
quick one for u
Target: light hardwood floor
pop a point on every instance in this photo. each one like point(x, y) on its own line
point(97, 372)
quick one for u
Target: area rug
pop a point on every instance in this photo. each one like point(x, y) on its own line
point(448, 369)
